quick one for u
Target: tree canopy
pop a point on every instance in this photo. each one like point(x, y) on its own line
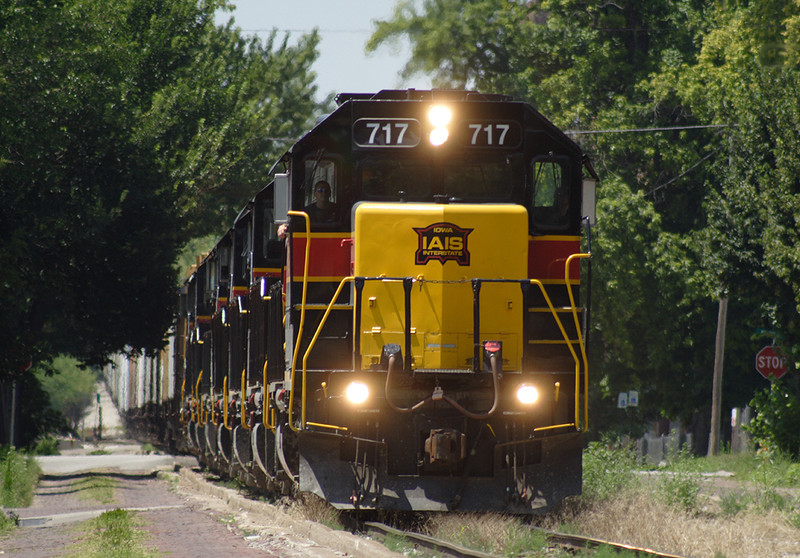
point(698, 198)
point(128, 127)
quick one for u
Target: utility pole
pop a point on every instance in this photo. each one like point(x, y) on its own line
point(716, 391)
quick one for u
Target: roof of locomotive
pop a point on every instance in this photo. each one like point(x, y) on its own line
point(441, 95)
point(421, 95)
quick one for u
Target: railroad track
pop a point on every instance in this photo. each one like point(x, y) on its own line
point(380, 532)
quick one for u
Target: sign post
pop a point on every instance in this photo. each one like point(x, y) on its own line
point(770, 362)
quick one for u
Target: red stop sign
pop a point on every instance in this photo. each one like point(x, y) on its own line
point(769, 362)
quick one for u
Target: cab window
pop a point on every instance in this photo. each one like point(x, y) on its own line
point(550, 193)
point(322, 192)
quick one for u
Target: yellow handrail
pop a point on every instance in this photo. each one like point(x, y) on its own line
point(211, 395)
point(265, 398)
point(225, 403)
point(580, 342)
point(243, 406)
point(313, 342)
point(197, 398)
point(302, 314)
point(183, 398)
point(569, 345)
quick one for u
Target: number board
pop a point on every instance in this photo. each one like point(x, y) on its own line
point(386, 132)
point(490, 133)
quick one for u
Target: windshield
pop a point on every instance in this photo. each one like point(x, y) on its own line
point(462, 179)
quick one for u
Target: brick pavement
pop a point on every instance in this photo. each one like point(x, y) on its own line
point(176, 525)
point(183, 517)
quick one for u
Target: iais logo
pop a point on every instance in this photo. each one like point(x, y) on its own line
point(442, 241)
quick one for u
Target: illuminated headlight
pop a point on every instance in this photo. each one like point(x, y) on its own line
point(357, 392)
point(439, 136)
point(439, 116)
point(527, 394)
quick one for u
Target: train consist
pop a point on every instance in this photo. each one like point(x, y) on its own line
point(395, 321)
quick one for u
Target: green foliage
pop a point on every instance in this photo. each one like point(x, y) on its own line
point(71, 389)
point(20, 474)
point(99, 489)
point(522, 539)
point(658, 264)
point(607, 470)
point(774, 427)
point(35, 418)
point(731, 503)
point(128, 128)
point(46, 446)
point(113, 534)
point(192, 250)
point(680, 483)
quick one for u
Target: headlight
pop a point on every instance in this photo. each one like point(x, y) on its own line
point(357, 392)
point(527, 394)
point(439, 116)
point(439, 136)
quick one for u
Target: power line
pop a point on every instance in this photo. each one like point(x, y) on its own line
point(684, 173)
point(270, 30)
point(642, 130)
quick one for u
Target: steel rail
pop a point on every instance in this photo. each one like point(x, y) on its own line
point(381, 531)
point(580, 541)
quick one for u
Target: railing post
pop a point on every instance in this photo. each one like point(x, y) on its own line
point(476, 325)
point(407, 283)
point(359, 284)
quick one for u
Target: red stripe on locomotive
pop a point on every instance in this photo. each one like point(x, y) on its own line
point(548, 255)
point(329, 256)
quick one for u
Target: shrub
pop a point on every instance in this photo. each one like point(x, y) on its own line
point(20, 473)
point(777, 415)
point(46, 446)
point(607, 470)
point(680, 484)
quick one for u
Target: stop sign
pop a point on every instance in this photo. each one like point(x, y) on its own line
point(769, 362)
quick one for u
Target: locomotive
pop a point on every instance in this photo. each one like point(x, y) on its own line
point(396, 321)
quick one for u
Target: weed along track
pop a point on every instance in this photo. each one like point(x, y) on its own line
point(327, 526)
point(538, 540)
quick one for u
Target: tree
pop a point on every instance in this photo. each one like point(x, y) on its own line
point(599, 68)
point(71, 389)
point(127, 128)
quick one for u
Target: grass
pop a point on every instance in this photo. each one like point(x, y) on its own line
point(20, 476)
point(675, 509)
point(113, 534)
point(492, 533)
point(314, 508)
point(99, 489)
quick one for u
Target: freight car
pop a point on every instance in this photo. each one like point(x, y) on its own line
point(396, 321)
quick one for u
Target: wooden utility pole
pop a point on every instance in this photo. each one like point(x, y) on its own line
point(716, 391)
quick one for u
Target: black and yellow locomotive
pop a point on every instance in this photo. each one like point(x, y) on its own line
point(395, 321)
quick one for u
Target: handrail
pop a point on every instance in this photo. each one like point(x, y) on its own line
point(183, 398)
point(299, 335)
point(211, 396)
point(569, 346)
point(310, 347)
point(265, 398)
point(225, 403)
point(580, 341)
point(583, 357)
point(243, 406)
point(199, 416)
